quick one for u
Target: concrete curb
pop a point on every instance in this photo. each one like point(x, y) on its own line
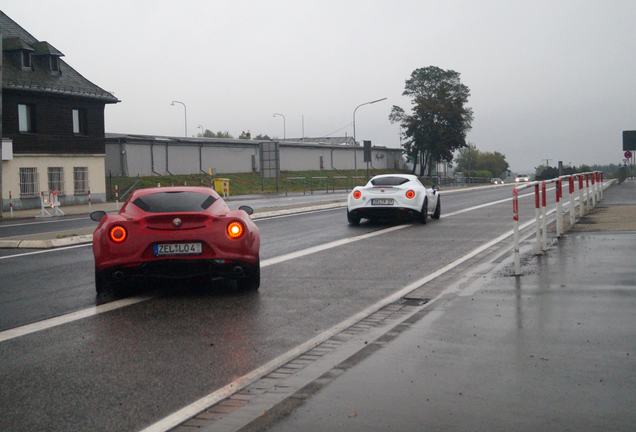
point(46, 244)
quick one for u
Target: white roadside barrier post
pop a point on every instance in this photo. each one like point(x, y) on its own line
point(515, 223)
point(593, 180)
point(10, 204)
point(588, 201)
point(544, 223)
point(602, 182)
point(572, 203)
point(537, 218)
point(117, 196)
point(89, 201)
point(559, 208)
point(581, 203)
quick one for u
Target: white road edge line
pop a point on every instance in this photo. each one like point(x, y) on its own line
point(205, 402)
point(96, 310)
point(45, 251)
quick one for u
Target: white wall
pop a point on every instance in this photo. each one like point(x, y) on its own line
point(11, 177)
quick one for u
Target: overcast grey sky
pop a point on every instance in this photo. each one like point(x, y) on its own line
point(549, 79)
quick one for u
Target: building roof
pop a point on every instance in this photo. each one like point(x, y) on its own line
point(160, 139)
point(67, 82)
point(329, 141)
point(45, 48)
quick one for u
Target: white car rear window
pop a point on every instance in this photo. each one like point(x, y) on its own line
point(389, 181)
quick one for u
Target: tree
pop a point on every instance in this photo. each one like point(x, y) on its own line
point(262, 137)
point(245, 135)
point(471, 159)
point(439, 118)
point(209, 134)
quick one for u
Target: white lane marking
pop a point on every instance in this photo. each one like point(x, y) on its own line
point(74, 316)
point(303, 213)
point(43, 222)
point(45, 251)
point(329, 245)
point(216, 396)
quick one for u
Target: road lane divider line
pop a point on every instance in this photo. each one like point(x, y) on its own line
point(96, 310)
point(73, 316)
point(173, 420)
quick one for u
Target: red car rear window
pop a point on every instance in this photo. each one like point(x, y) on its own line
point(178, 201)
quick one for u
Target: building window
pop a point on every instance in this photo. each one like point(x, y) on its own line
point(29, 184)
point(56, 179)
point(25, 118)
point(26, 60)
point(79, 121)
point(80, 180)
point(54, 62)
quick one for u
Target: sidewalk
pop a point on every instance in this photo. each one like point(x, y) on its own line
point(553, 350)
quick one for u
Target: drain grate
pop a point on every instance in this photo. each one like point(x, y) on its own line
point(414, 301)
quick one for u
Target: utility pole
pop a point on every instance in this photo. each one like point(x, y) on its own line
point(547, 162)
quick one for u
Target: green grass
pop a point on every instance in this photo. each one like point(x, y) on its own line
point(252, 183)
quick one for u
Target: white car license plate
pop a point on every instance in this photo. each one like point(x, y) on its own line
point(382, 201)
point(161, 249)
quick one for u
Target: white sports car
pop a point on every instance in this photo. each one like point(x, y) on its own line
point(393, 195)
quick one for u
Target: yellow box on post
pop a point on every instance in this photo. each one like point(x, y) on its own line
point(222, 186)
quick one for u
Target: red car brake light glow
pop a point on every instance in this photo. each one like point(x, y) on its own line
point(410, 194)
point(118, 234)
point(235, 230)
point(357, 194)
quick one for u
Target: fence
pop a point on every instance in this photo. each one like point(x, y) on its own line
point(590, 192)
point(322, 183)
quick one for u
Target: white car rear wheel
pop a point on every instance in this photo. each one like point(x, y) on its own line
point(353, 219)
point(424, 212)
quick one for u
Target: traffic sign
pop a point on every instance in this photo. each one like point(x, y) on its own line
point(628, 154)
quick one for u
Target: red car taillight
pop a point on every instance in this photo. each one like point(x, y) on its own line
point(357, 194)
point(235, 230)
point(410, 194)
point(118, 234)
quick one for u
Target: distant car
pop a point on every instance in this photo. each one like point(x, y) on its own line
point(390, 196)
point(496, 181)
point(522, 178)
point(176, 232)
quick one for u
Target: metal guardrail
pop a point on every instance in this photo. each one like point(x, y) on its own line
point(590, 192)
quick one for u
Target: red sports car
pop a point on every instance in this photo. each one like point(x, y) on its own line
point(176, 232)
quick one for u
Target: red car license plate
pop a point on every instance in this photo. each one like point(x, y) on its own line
point(162, 249)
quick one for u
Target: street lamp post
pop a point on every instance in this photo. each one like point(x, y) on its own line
point(355, 151)
point(185, 115)
point(284, 124)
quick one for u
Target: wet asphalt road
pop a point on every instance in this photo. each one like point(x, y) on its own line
point(129, 367)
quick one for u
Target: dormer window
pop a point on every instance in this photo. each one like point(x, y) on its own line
point(54, 63)
point(27, 62)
